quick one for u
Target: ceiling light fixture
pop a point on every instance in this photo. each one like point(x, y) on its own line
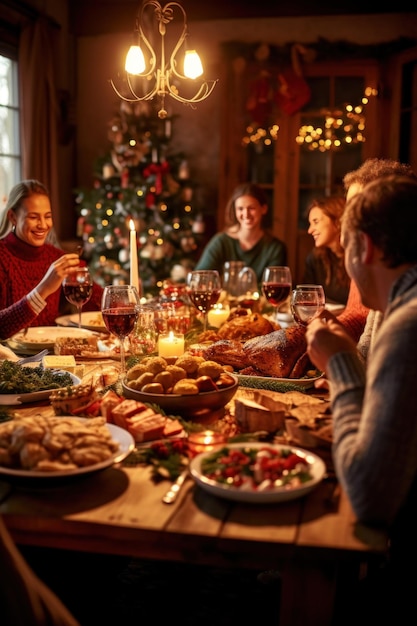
point(143, 64)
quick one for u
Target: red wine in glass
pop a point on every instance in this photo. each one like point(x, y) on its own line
point(276, 293)
point(204, 300)
point(119, 307)
point(78, 288)
point(121, 321)
point(276, 284)
point(204, 287)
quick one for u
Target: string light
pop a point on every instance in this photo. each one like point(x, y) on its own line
point(341, 128)
point(258, 135)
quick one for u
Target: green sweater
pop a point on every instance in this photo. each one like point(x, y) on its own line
point(268, 251)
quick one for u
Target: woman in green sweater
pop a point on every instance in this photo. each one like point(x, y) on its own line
point(245, 238)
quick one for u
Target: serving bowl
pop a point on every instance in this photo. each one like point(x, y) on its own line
point(195, 407)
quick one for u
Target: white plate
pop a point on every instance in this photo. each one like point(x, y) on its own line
point(126, 446)
point(12, 399)
point(43, 337)
point(276, 384)
point(278, 494)
point(91, 320)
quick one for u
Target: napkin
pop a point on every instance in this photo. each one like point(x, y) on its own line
point(7, 355)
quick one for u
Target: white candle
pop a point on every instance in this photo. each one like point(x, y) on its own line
point(218, 315)
point(170, 344)
point(134, 267)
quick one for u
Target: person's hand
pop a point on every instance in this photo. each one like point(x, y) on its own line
point(324, 339)
point(326, 315)
point(56, 273)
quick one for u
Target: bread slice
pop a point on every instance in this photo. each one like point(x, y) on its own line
point(77, 346)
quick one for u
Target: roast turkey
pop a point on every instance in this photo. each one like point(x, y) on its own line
point(280, 354)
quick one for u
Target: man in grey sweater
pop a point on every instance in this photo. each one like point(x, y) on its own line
point(375, 406)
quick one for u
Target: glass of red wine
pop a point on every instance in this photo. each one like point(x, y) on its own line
point(306, 302)
point(276, 284)
point(203, 288)
point(78, 287)
point(119, 308)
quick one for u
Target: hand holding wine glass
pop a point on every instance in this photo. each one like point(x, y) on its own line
point(119, 307)
point(276, 284)
point(204, 288)
point(78, 288)
point(306, 302)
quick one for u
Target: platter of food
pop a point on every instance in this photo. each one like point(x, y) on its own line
point(38, 338)
point(186, 406)
point(115, 443)
point(278, 384)
point(295, 472)
point(13, 399)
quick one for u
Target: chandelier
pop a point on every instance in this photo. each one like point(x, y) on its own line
point(149, 74)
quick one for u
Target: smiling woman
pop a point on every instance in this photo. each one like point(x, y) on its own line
point(31, 268)
point(325, 264)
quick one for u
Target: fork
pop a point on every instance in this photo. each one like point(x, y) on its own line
point(33, 358)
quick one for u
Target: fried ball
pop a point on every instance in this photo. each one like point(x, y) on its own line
point(155, 364)
point(210, 368)
point(189, 363)
point(165, 378)
point(135, 371)
point(186, 387)
point(144, 379)
point(154, 388)
point(178, 373)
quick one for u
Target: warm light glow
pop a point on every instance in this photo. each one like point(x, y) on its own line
point(339, 128)
point(135, 61)
point(160, 71)
point(192, 64)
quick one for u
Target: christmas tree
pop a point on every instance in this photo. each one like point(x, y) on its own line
point(140, 179)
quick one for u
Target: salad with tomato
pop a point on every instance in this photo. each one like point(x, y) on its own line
point(256, 469)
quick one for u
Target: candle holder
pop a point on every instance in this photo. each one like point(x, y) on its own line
point(204, 441)
point(170, 344)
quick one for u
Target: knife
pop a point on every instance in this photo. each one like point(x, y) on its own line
point(172, 493)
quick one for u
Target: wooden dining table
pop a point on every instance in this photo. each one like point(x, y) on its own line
point(314, 541)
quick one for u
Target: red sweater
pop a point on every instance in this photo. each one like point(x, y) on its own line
point(22, 267)
point(354, 316)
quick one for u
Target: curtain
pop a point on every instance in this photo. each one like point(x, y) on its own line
point(38, 50)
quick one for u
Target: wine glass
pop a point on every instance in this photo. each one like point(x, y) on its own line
point(276, 284)
point(119, 307)
point(247, 289)
point(306, 302)
point(204, 288)
point(78, 287)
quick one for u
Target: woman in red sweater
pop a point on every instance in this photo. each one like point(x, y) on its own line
point(31, 268)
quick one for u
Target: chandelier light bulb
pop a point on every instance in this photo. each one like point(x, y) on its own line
point(192, 64)
point(135, 61)
point(161, 70)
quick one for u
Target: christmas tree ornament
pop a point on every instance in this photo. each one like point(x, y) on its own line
point(153, 195)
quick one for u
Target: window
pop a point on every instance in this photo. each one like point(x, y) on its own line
point(10, 156)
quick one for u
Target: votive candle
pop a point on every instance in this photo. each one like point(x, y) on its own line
point(204, 441)
point(218, 315)
point(170, 344)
